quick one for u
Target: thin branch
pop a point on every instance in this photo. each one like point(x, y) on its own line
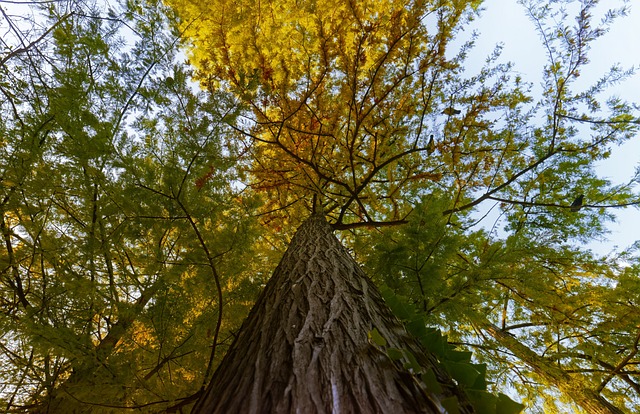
point(490, 193)
point(26, 48)
point(216, 278)
point(599, 122)
point(368, 224)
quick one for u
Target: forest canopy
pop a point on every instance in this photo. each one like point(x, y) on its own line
point(158, 158)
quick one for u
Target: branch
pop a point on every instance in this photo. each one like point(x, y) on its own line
point(617, 370)
point(369, 224)
point(374, 171)
point(585, 397)
point(216, 279)
point(598, 122)
point(26, 48)
point(488, 194)
point(531, 204)
point(624, 375)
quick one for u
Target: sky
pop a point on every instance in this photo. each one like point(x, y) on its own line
point(506, 22)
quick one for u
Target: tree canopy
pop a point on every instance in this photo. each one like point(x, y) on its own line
point(142, 213)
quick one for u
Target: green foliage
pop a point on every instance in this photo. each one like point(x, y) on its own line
point(471, 377)
point(376, 337)
point(554, 299)
point(141, 213)
point(122, 218)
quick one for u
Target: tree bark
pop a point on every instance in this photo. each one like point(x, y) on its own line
point(64, 399)
point(570, 385)
point(304, 347)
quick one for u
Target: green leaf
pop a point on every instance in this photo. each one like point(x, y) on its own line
point(481, 381)
point(458, 356)
point(431, 381)
point(412, 363)
point(506, 405)
point(465, 374)
point(375, 336)
point(483, 402)
point(434, 342)
point(451, 404)
point(417, 327)
point(394, 353)
point(398, 305)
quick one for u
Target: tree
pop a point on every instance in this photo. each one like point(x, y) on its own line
point(304, 347)
point(141, 217)
point(105, 221)
point(344, 100)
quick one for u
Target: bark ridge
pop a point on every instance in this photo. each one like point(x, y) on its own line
point(304, 347)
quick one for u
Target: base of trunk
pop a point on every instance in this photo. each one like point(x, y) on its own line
point(304, 347)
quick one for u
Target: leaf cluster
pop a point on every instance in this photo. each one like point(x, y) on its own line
point(125, 233)
point(471, 377)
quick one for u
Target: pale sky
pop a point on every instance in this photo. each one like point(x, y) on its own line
point(506, 22)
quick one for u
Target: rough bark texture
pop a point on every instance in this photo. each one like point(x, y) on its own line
point(304, 347)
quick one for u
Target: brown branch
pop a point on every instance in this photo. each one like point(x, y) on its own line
point(184, 402)
point(624, 375)
point(489, 194)
point(621, 364)
point(16, 283)
point(525, 325)
point(216, 279)
point(26, 48)
point(369, 224)
point(586, 398)
point(369, 177)
point(532, 204)
point(598, 122)
point(164, 361)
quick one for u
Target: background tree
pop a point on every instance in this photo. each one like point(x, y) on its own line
point(345, 98)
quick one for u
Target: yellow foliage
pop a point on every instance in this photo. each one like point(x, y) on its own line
point(336, 88)
point(285, 41)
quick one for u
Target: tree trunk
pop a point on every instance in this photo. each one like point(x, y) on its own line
point(304, 347)
point(68, 396)
point(570, 385)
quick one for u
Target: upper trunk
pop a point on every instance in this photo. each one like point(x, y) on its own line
point(304, 347)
